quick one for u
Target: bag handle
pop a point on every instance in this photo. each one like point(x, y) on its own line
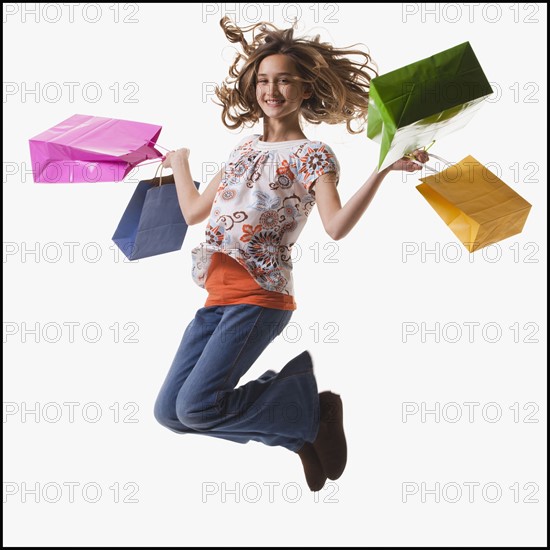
point(433, 170)
point(147, 141)
point(157, 171)
point(153, 161)
point(424, 165)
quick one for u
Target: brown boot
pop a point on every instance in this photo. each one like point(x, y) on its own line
point(315, 476)
point(330, 444)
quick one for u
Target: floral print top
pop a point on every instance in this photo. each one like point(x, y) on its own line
point(261, 207)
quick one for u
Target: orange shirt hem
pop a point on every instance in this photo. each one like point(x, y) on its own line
point(229, 283)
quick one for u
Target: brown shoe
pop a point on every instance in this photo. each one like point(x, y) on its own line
point(315, 476)
point(330, 444)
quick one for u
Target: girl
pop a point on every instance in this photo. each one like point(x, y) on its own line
point(256, 208)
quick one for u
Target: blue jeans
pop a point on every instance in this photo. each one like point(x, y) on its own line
point(219, 345)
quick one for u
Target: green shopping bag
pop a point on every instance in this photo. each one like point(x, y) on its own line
point(411, 106)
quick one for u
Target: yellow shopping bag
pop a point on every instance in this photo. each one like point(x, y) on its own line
point(476, 204)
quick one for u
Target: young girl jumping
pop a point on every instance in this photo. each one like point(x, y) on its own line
point(257, 206)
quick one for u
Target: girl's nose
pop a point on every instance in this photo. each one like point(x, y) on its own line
point(273, 88)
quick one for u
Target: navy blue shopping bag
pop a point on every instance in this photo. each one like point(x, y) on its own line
point(152, 223)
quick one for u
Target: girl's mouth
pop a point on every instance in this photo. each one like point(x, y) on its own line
point(275, 102)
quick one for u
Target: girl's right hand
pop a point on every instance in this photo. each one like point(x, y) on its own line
point(174, 157)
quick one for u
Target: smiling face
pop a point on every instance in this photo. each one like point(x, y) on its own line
point(278, 92)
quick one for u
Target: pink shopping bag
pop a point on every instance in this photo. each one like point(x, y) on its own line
point(87, 148)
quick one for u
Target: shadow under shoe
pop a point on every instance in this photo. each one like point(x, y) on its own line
point(315, 475)
point(330, 444)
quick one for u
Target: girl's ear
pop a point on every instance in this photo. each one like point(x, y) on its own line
point(308, 92)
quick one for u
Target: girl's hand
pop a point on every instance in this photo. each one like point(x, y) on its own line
point(173, 157)
point(408, 165)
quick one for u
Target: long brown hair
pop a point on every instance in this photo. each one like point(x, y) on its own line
point(340, 85)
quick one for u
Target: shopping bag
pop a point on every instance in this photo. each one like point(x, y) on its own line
point(87, 148)
point(475, 203)
point(152, 223)
point(413, 105)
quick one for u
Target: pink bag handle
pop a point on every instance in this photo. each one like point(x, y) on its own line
point(158, 145)
point(155, 160)
point(147, 141)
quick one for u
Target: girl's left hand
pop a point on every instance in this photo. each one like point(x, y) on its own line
point(408, 165)
point(174, 157)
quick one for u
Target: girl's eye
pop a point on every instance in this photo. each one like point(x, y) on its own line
point(282, 80)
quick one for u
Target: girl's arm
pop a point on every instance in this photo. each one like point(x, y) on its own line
point(195, 206)
point(339, 220)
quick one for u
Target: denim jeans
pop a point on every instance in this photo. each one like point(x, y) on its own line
point(199, 395)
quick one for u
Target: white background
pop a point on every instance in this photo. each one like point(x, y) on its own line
point(367, 292)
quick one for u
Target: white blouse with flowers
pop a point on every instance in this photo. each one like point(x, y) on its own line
point(261, 207)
